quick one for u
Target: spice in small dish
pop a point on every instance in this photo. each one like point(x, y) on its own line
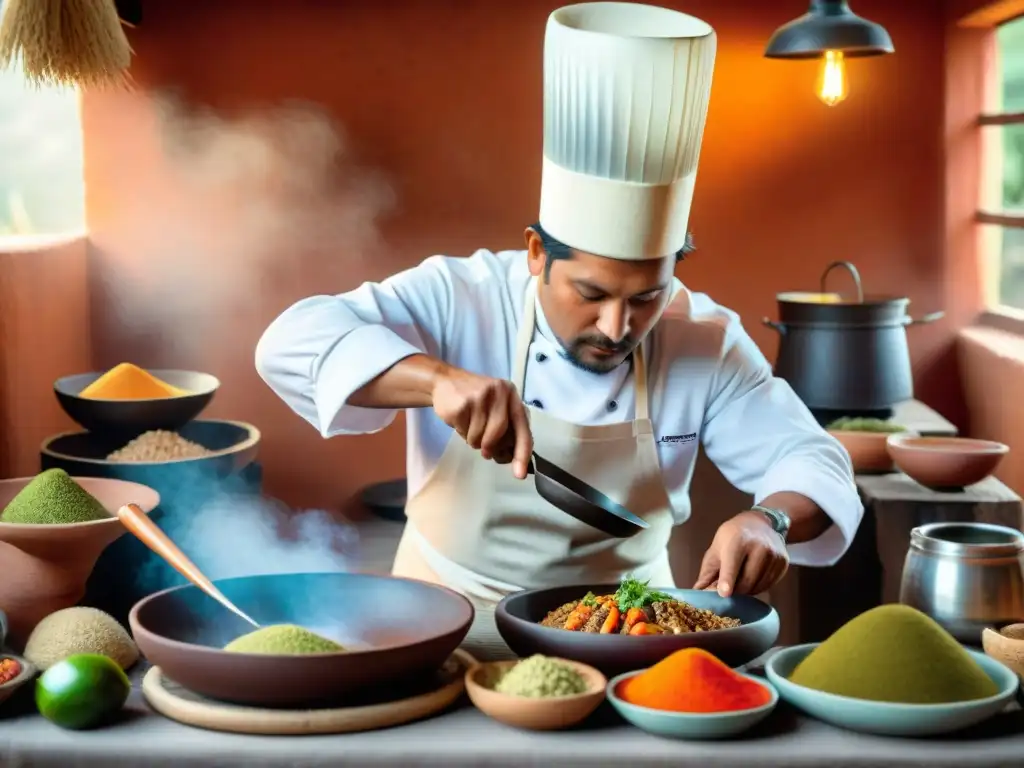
point(896, 654)
point(9, 669)
point(53, 498)
point(693, 681)
point(159, 445)
point(129, 382)
point(541, 677)
point(283, 640)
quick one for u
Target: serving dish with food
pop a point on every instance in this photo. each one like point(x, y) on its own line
point(623, 627)
point(865, 440)
point(186, 634)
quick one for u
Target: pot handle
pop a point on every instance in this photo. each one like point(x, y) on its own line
point(931, 317)
point(774, 326)
point(853, 273)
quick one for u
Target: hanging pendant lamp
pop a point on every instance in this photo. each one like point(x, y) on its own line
point(832, 32)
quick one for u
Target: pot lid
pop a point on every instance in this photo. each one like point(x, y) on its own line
point(806, 297)
point(830, 297)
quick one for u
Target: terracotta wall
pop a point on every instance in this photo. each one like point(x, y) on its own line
point(444, 100)
point(44, 334)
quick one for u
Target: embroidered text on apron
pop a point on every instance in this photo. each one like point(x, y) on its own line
point(476, 528)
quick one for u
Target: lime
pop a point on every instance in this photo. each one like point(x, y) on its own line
point(82, 691)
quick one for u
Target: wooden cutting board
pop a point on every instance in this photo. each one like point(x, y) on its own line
point(174, 702)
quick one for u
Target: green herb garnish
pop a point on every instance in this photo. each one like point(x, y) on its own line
point(590, 599)
point(633, 593)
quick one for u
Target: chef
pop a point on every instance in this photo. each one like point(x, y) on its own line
point(585, 348)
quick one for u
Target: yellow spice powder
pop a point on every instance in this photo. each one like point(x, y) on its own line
point(129, 382)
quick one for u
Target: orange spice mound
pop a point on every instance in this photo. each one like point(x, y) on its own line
point(693, 680)
point(129, 382)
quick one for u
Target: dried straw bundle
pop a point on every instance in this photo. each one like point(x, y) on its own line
point(65, 42)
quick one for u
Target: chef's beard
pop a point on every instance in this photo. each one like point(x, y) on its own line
point(574, 353)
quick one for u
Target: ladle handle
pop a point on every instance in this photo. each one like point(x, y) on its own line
point(136, 521)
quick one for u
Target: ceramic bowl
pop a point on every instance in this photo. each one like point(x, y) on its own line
point(28, 671)
point(518, 616)
point(395, 630)
point(45, 567)
point(868, 451)
point(689, 725)
point(884, 718)
point(535, 714)
point(1006, 646)
point(128, 418)
point(945, 463)
point(233, 445)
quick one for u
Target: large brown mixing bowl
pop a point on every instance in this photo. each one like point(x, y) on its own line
point(518, 615)
point(395, 629)
point(44, 568)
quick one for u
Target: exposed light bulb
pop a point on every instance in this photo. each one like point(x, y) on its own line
point(833, 85)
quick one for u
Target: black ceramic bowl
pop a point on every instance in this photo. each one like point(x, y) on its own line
point(397, 630)
point(133, 417)
point(517, 617)
point(234, 444)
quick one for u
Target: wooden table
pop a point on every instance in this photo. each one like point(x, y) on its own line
point(465, 737)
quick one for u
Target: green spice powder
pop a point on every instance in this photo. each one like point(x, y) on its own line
point(897, 654)
point(53, 498)
point(858, 424)
point(283, 640)
point(541, 677)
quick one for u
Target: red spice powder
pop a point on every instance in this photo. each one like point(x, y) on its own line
point(9, 669)
point(693, 680)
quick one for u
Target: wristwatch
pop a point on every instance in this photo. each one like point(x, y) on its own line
point(778, 519)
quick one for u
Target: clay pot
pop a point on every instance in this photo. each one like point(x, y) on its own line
point(45, 567)
point(868, 451)
point(945, 463)
point(1006, 645)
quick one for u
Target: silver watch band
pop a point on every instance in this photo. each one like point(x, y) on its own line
point(778, 519)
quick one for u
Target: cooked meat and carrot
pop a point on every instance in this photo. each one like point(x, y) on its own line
point(635, 609)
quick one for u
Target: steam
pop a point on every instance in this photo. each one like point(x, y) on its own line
point(236, 204)
point(240, 534)
point(254, 536)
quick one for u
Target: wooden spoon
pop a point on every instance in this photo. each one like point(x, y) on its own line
point(136, 521)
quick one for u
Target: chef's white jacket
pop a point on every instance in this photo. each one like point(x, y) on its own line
point(710, 383)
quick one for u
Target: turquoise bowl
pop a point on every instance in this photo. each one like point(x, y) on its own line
point(885, 718)
point(701, 726)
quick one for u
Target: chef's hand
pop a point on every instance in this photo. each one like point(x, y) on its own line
point(488, 414)
point(746, 557)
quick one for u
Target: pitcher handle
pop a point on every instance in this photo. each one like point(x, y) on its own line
point(853, 273)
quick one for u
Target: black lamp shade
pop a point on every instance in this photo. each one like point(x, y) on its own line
point(829, 25)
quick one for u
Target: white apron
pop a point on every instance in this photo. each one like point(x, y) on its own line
point(476, 528)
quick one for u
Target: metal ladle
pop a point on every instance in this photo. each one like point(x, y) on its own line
point(136, 521)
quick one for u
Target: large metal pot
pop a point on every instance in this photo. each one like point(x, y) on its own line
point(966, 576)
point(848, 356)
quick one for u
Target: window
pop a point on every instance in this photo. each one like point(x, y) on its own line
point(1002, 204)
point(42, 191)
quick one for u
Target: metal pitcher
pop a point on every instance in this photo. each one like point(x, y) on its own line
point(966, 576)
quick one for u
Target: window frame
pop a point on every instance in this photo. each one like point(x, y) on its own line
point(997, 315)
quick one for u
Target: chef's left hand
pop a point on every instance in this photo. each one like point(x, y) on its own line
point(746, 557)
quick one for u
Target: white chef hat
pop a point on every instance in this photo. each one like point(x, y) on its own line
point(626, 90)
